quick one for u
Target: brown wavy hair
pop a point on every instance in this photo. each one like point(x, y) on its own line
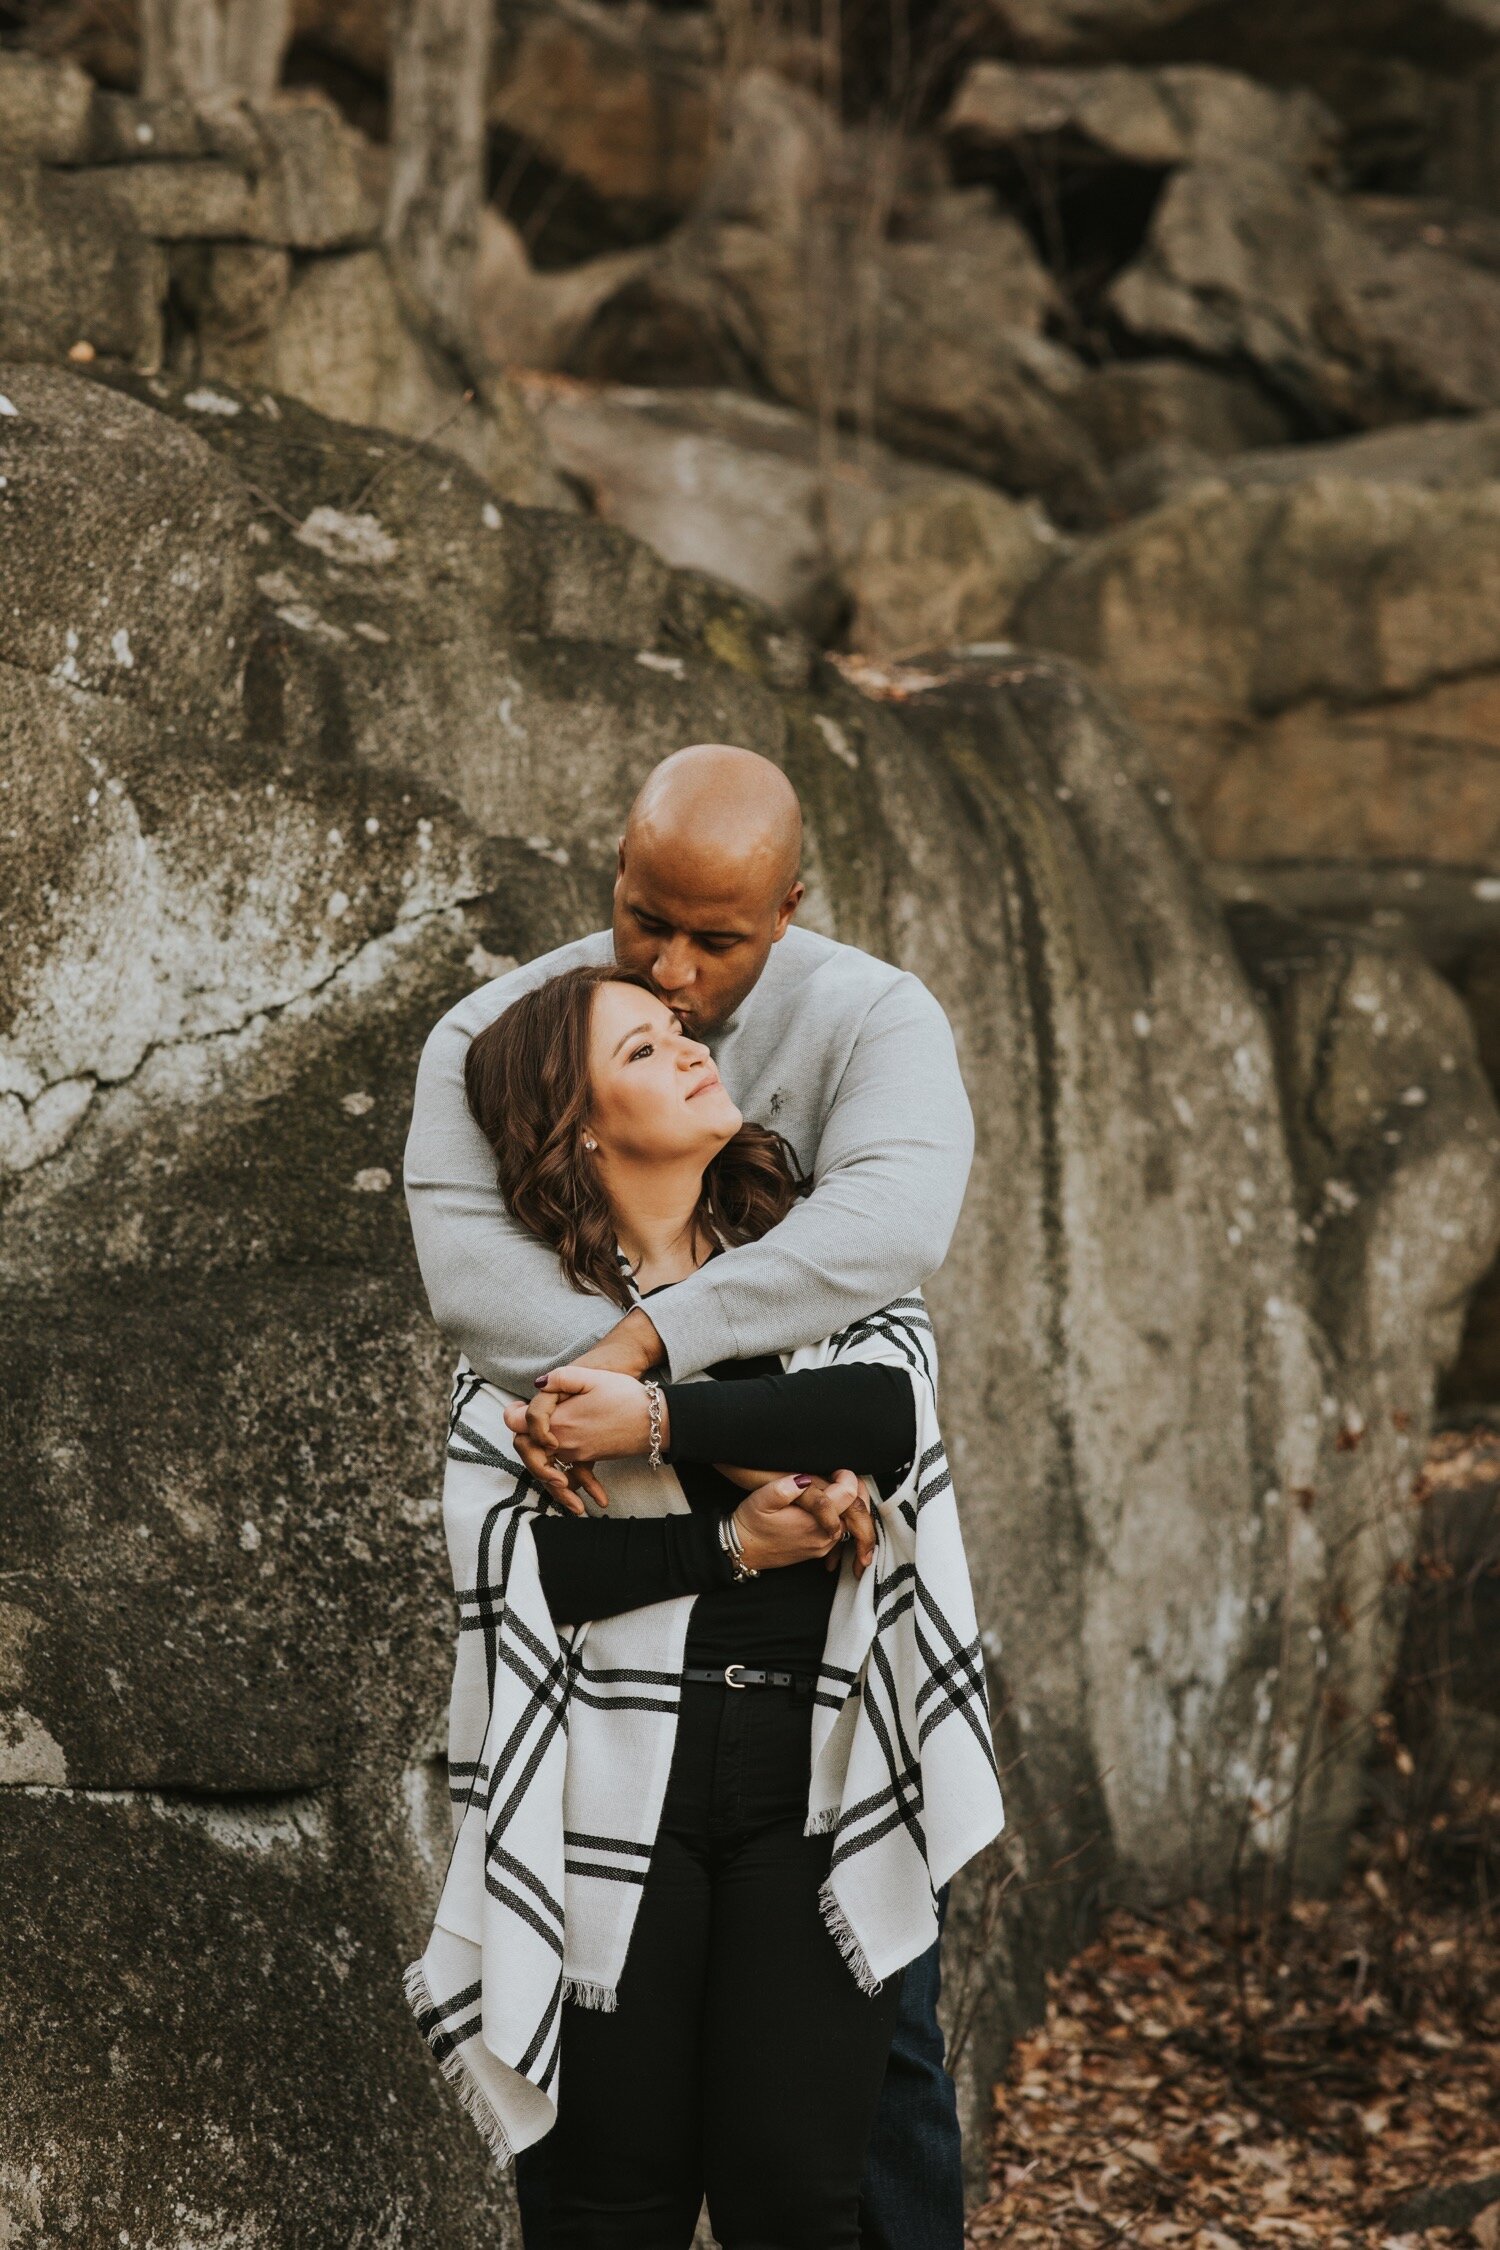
point(527, 1080)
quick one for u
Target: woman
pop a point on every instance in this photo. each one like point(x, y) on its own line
point(684, 1903)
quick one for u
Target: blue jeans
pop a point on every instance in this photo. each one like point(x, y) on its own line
point(912, 2197)
point(912, 2194)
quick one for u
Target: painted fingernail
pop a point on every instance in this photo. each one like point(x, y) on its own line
point(799, 1481)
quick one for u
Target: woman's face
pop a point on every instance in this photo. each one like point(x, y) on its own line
point(655, 1096)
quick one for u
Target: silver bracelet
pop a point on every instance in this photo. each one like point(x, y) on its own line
point(729, 1540)
point(653, 1410)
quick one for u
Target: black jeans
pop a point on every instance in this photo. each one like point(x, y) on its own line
point(743, 2061)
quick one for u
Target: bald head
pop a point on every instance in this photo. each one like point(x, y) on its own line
point(720, 809)
point(708, 877)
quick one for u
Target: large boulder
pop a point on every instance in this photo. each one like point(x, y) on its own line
point(1158, 423)
point(1247, 261)
point(1188, 1361)
point(624, 101)
point(46, 109)
point(1452, 32)
point(794, 272)
point(525, 317)
point(259, 220)
point(75, 269)
point(287, 172)
point(1449, 451)
point(1178, 114)
point(758, 496)
point(1315, 660)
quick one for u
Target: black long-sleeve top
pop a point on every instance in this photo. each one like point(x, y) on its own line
point(820, 1420)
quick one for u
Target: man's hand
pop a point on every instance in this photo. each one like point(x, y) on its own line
point(858, 1526)
point(800, 1519)
point(581, 1415)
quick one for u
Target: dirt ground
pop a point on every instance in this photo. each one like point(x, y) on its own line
point(1319, 2071)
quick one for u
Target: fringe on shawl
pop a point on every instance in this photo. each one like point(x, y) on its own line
point(819, 1823)
point(456, 2071)
point(600, 1996)
point(837, 1925)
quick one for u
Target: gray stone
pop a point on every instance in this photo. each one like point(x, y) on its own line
point(45, 110)
point(784, 275)
point(1314, 661)
point(758, 496)
point(533, 320)
point(946, 566)
point(1453, 451)
point(74, 269)
point(1249, 261)
point(104, 587)
point(1180, 113)
point(338, 339)
point(224, 1641)
point(126, 130)
point(626, 102)
point(963, 372)
point(1457, 31)
point(288, 172)
point(271, 2089)
point(1131, 405)
point(1463, 138)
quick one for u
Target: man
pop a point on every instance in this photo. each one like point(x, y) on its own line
point(854, 1063)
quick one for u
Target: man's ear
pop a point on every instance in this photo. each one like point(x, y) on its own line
point(787, 909)
point(620, 858)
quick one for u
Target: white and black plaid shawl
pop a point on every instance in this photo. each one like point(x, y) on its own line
point(560, 1740)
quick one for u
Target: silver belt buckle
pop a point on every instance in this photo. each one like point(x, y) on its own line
point(729, 1678)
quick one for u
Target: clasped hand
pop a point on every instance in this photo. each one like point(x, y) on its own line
point(582, 1414)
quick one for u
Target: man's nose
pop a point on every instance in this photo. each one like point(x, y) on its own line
point(672, 970)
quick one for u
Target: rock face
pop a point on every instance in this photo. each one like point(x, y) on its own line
point(1314, 659)
point(1178, 114)
point(1250, 260)
point(627, 104)
point(303, 755)
point(760, 497)
point(257, 221)
point(1453, 30)
point(790, 272)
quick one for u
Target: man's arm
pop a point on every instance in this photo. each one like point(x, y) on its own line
point(890, 1175)
point(889, 1181)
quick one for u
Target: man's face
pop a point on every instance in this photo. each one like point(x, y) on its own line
point(701, 934)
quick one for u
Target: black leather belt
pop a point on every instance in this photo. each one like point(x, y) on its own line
point(749, 1675)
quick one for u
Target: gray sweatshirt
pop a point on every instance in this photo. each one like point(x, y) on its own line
point(850, 1059)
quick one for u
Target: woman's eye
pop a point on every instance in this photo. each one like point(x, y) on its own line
point(637, 1053)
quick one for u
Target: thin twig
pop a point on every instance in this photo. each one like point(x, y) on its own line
point(267, 500)
point(405, 452)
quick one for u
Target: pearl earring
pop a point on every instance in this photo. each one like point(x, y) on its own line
point(588, 1143)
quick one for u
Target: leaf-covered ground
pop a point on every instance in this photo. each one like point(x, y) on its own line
point(1313, 2072)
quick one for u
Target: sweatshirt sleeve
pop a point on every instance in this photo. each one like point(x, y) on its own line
point(596, 1568)
point(889, 1178)
point(821, 1419)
